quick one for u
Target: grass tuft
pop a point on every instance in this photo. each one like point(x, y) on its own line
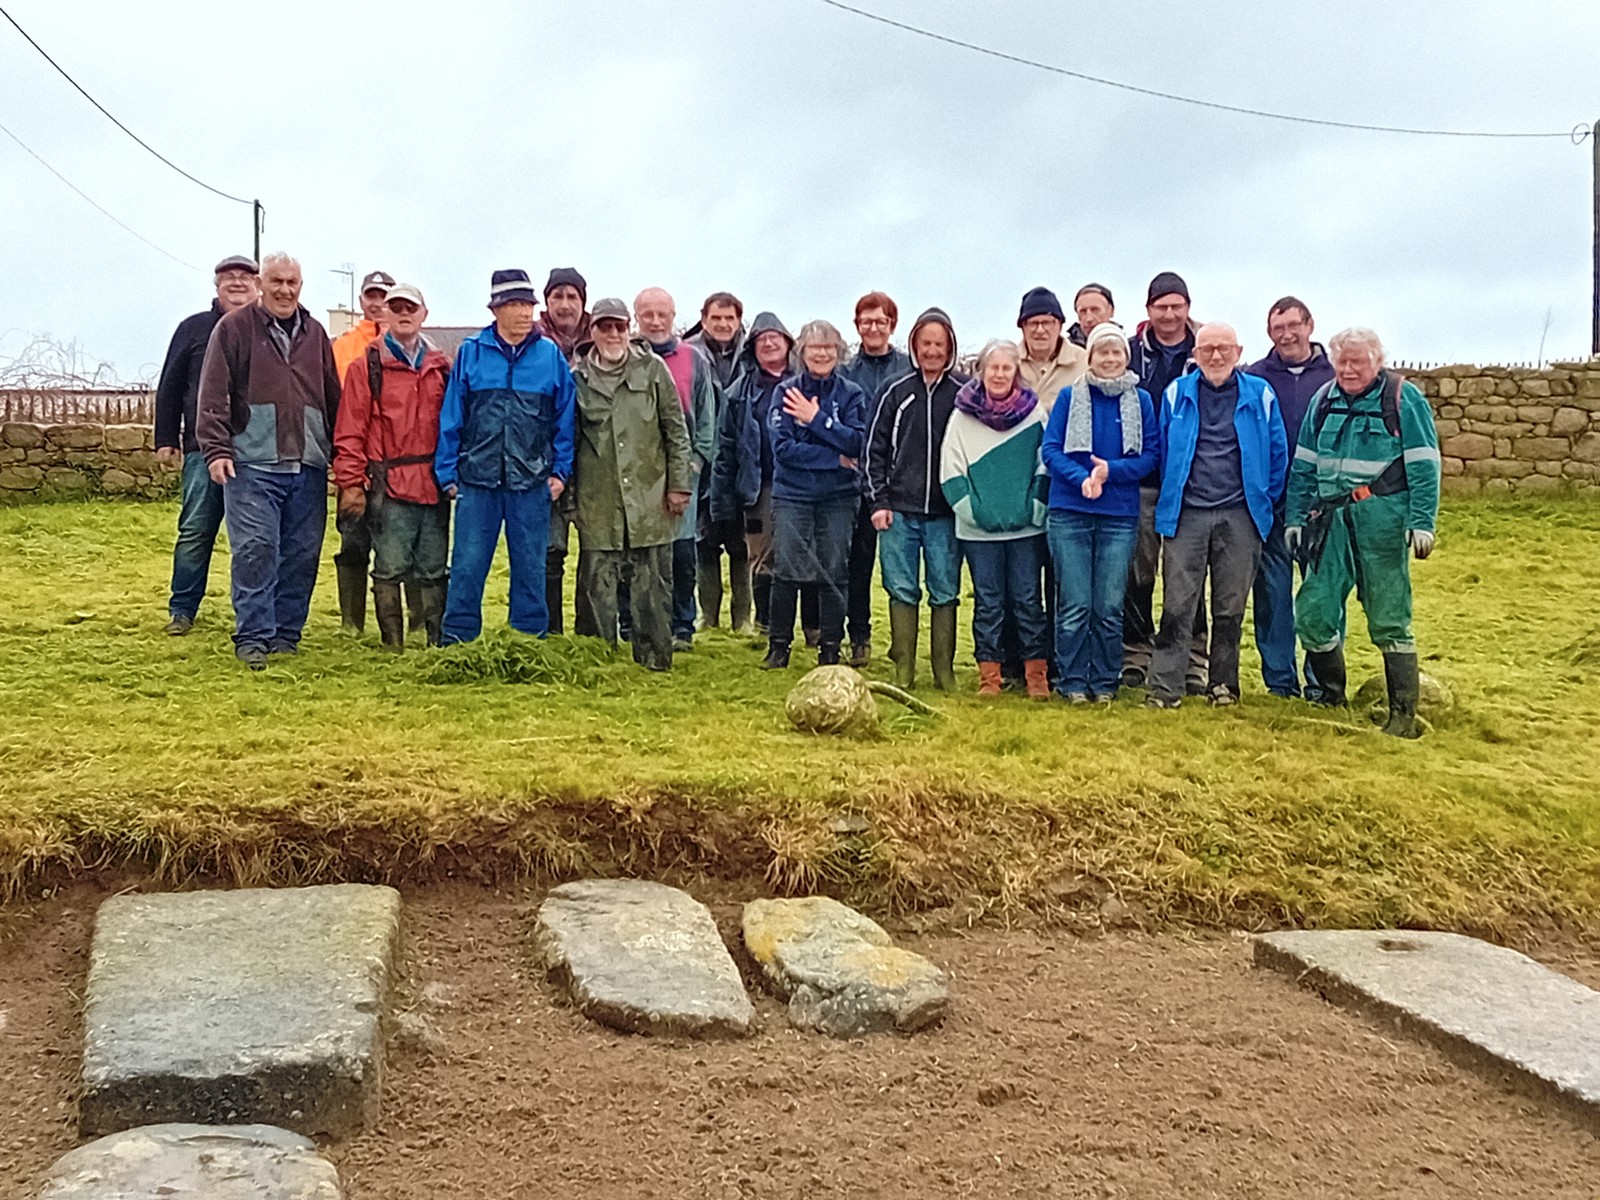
point(506, 656)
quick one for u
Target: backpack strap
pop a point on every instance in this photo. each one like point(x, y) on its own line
point(374, 372)
point(1321, 401)
point(1393, 381)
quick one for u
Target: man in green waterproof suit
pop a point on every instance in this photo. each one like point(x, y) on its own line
point(1363, 497)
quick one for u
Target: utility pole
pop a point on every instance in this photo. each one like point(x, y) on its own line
point(1594, 332)
point(258, 218)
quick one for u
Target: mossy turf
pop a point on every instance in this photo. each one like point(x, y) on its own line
point(123, 747)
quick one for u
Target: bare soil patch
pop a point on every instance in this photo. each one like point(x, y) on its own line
point(1072, 1066)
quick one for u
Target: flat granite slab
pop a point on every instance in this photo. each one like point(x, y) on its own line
point(840, 971)
point(194, 1162)
point(643, 958)
point(262, 1005)
point(1487, 1007)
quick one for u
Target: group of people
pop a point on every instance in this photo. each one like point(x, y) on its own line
point(1068, 470)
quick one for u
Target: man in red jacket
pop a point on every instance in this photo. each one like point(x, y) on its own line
point(384, 441)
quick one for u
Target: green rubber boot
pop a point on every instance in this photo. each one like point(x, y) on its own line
point(903, 642)
point(942, 646)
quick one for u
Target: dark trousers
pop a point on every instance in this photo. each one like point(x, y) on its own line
point(275, 527)
point(1221, 544)
point(1138, 607)
point(811, 545)
point(199, 518)
point(721, 537)
point(1005, 587)
point(409, 541)
point(684, 564)
point(645, 573)
point(1274, 615)
point(863, 559)
point(481, 513)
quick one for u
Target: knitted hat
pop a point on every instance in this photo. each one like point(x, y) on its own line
point(1106, 331)
point(1101, 288)
point(510, 285)
point(567, 277)
point(1040, 302)
point(1168, 283)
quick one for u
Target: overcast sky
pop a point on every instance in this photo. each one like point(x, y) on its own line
point(798, 156)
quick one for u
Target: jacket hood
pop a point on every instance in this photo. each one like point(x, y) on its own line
point(764, 322)
point(1147, 335)
point(932, 316)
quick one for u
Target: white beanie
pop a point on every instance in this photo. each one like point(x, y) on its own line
point(1106, 331)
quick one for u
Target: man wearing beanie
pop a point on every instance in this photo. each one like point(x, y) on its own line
point(505, 454)
point(566, 323)
point(1050, 361)
point(1092, 306)
point(1162, 349)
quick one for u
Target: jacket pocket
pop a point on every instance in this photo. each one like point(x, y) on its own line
point(258, 442)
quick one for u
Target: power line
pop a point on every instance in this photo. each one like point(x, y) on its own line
point(28, 150)
point(1144, 91)
point(59, 68)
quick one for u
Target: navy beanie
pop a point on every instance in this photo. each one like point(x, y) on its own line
point(1168, 283)
point(506, 286)
point(567, 277)
point(1040, 302)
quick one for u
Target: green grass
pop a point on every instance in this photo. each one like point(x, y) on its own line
point(119, 746)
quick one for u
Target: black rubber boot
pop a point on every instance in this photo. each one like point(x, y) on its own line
point(1400, 672)
point(552, 603)
point(391, 613)
point(777, 658)
point(903, 642)
point(761, 588)
point(1329, 668)
point(828, 654)
point(416, 616)
point(432, 597)
point(942, 646)
point(352, 596)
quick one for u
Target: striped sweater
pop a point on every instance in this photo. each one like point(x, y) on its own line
point(993, 478)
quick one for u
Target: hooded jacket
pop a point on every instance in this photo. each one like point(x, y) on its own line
point(400, 430)
point(570, 346)
point(1294, 385)
point(906, 436)
point(179, 389)
point(736, 473)
point(1157, 366)
point(725, 357)
point(873, 373)
point(507, 419)
point(632, 448)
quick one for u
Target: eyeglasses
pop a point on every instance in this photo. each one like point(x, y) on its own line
point(1171, 307)
point(872, 323)
point(1214, 351)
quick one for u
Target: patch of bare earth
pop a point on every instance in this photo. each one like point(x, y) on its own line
point(1127, 1066)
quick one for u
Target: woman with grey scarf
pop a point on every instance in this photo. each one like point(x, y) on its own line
point(1102, 439)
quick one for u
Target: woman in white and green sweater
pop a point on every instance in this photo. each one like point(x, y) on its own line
point(992, 477)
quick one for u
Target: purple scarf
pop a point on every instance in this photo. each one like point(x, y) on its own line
point(974, 400)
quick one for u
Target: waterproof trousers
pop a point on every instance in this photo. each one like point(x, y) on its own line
point(1366, 551)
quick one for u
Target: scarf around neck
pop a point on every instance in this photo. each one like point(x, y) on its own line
point(1080, 413)
point(1004, 413)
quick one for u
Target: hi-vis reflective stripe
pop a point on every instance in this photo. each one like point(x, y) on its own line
point(1359, 468)
point(1305, 454)
point(1422, 454)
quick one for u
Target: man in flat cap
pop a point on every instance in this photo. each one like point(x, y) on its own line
point(238, 284)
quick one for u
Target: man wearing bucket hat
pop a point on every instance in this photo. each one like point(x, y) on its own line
point(504, 454)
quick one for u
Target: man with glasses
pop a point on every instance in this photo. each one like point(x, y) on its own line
point(1296, 367)
point(1050, 361)
point(1224, 466)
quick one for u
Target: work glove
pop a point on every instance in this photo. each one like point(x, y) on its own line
point(1292, 537)
point(1420, 541)
point(352, 503)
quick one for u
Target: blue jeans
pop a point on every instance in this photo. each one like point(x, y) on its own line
point(1091, 554)
point(480, 514)
point(275, 527)
point(1274, 611)
point(1005, 586)
point(199, 518)
point(925, 542)
point(685, 566)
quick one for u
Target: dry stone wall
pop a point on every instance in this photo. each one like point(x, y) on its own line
point(49, 462)
point(1516, 430)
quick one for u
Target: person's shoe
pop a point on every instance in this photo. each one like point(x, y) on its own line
point(1222, 696)
point(682, 645)
point(988, 679)
point(813, 638)
point(1154, 701)
point(1283, 693)
point(860, 654)
point(178, 625)
point(1194, 685)
point(254, 657)
point(1403, 679)
point(1106, 698)
point(1077, 697)
point(1038, 676)
point(1329, 668)
point(903, 642)
point(284, 648)
point(391, 613)
point(942, 646)
point(1133, 677)
point(828, 654)
point(777, 658)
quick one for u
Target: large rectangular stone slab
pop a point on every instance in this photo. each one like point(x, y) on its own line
point(1487, 1007)
point(194, 1162)
point(257, 1006)
point(643, 958)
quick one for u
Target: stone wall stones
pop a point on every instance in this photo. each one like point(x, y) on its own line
point(51, 462)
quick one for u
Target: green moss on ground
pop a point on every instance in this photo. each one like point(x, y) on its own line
point(119, 745)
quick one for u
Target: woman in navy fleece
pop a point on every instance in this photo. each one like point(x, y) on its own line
point(1103, 438)
point(816, 440)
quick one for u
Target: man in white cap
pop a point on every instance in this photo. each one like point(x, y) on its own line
point(238, 283)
